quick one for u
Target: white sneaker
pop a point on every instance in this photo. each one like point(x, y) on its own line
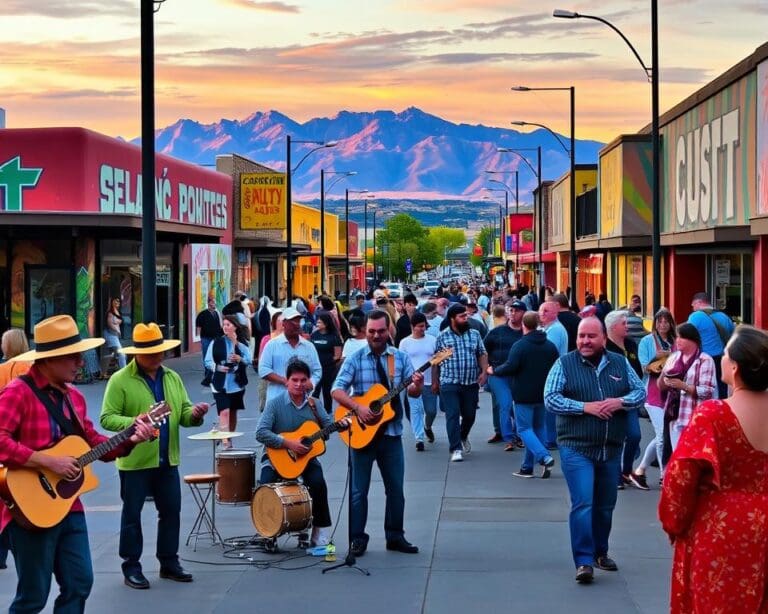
point(456, 456)
point(321, 536)
point(466, 446)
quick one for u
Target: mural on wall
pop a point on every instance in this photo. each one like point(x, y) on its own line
point(211, 271)
point(709, 161)
point(85, 272)
point(24, 253)
point(762, 139)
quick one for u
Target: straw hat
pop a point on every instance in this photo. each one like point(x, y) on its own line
point(148, 339)
point(58, 336)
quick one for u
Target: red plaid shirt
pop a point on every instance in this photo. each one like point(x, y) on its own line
point(26, 426)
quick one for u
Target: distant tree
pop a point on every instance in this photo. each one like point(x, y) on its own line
point(443, 239)
point(484, 239)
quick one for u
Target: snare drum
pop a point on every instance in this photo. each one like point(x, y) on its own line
point(284, 507)
point(237, 469)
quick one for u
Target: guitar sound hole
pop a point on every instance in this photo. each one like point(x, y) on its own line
point(375, 407)
point(306, 442)
point(66, 489)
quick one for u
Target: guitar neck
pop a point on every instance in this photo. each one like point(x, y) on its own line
point(405, 383)
point(323, 433)
point(105, 447)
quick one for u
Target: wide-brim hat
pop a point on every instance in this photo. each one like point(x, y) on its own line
point(148, 339)
point(58, 336)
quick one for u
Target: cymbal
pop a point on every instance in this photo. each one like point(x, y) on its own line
point(208, 435)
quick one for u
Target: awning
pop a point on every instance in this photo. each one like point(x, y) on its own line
point(533, 258)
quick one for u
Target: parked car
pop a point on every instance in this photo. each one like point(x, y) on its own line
point(432, 285)
point(395, 290)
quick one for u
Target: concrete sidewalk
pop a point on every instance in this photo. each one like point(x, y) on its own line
point(486, 539)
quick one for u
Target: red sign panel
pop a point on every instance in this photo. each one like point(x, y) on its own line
point(353, 230)
point(521, 225)
point(68, 170)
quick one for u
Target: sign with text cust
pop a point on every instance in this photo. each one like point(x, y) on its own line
point(262, 201)
point(710, 160)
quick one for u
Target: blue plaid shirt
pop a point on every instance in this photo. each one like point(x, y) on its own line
point(462, 368)
point(358, 373)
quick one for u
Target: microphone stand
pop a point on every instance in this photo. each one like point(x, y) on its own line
point(349, 560)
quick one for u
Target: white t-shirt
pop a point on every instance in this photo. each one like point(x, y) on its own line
point(420, 351)
point(351, 346)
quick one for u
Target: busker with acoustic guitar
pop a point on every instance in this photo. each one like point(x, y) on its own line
point(151, 469)
point(36, 411)
point(289, 454)
point(377, 363)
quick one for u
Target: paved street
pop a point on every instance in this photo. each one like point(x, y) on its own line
point(487, 540)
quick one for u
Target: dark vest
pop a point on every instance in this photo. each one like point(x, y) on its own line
point(594, 438)
point(219, 354)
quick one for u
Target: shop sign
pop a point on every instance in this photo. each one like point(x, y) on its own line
point(722, 272)
point(762, 139)
point(710, 162)
point(262, 201)
point(72, 170)
point(163, 278)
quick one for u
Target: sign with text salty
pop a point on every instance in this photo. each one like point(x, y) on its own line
point(262, 201)
point(73, 170)
point(709, 161)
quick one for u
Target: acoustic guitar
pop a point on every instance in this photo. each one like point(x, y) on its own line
point(39, 498)
point(378, 399)
point(290, 464)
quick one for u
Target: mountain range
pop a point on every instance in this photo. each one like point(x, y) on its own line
point(409, 156)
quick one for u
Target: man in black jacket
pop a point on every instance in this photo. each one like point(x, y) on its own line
point(528, 363)
point(568, 319)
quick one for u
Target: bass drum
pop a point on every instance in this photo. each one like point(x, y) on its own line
point(284, 507)
point(237, 469)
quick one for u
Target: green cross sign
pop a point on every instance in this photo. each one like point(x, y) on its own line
point(13, 179)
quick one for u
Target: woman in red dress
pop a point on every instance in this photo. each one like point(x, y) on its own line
point(714, 503)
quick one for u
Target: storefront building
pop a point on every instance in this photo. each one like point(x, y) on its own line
point(70, 241)
point(588, 278)
point(711, 219)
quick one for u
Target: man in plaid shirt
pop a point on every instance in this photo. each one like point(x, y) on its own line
point(458, 379)
point(26, 428)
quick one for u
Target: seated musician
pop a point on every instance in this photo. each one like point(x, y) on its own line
point(285, 413)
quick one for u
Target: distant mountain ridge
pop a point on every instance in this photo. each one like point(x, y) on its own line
point(408, 155)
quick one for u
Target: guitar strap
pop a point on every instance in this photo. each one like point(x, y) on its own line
point(313, 407)
point(68, 426)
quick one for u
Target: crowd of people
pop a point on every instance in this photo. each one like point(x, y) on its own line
point(568, 386)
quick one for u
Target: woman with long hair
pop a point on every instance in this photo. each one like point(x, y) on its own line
point(228, 358)
point(13, 343)
point(688, 378)
point(715, 495)
point(653, 351)
point(113, 319)
point(328, 344)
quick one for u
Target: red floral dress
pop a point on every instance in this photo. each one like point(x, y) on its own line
point(714, 506)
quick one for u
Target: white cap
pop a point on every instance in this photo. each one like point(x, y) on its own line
point(289, 313)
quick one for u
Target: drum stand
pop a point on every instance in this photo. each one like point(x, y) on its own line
point(349, 559)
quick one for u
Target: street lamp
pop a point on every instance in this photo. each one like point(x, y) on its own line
point(652, 73)
point(323, 192)
point(540, 214)
point(572, 255)
point(501, 216)
point(507, 190)
point(289, 204)
point(346, 221)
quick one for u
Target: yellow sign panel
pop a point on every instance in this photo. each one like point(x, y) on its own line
point(611, 194)
point(262, 201)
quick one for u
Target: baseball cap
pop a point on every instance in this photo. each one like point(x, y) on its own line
point(518, 305)
point(454, 310)
point(289, 313)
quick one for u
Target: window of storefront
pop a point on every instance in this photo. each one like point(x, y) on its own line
point(730, 280)
point(121, 278)
point(632, 275)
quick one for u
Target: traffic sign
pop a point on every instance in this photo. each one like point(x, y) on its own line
point(408, 265)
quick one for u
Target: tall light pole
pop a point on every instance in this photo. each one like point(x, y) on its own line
point(540, 212)
point(572, 255)
point(148, 237)
point(346, 222)
point(289, 204)
point(652, 73)
point(365, 240)
point(507, 190)
point(323, 192)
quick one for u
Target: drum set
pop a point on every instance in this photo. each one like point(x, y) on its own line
point(276, 509)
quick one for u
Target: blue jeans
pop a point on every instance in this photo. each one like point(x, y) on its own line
point(501, 389)
point(460, 405)
point(593, 488)
point(61, 551)
point(631, 443)
point(423, 412)
point(387, 451)
point(530, 427)
point(113, 343)
point(550, 430)
point(163, 484)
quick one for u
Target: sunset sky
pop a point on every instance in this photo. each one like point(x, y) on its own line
point(77, 62)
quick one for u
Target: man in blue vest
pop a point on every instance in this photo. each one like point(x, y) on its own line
point(715, 328)
point(591, 390)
